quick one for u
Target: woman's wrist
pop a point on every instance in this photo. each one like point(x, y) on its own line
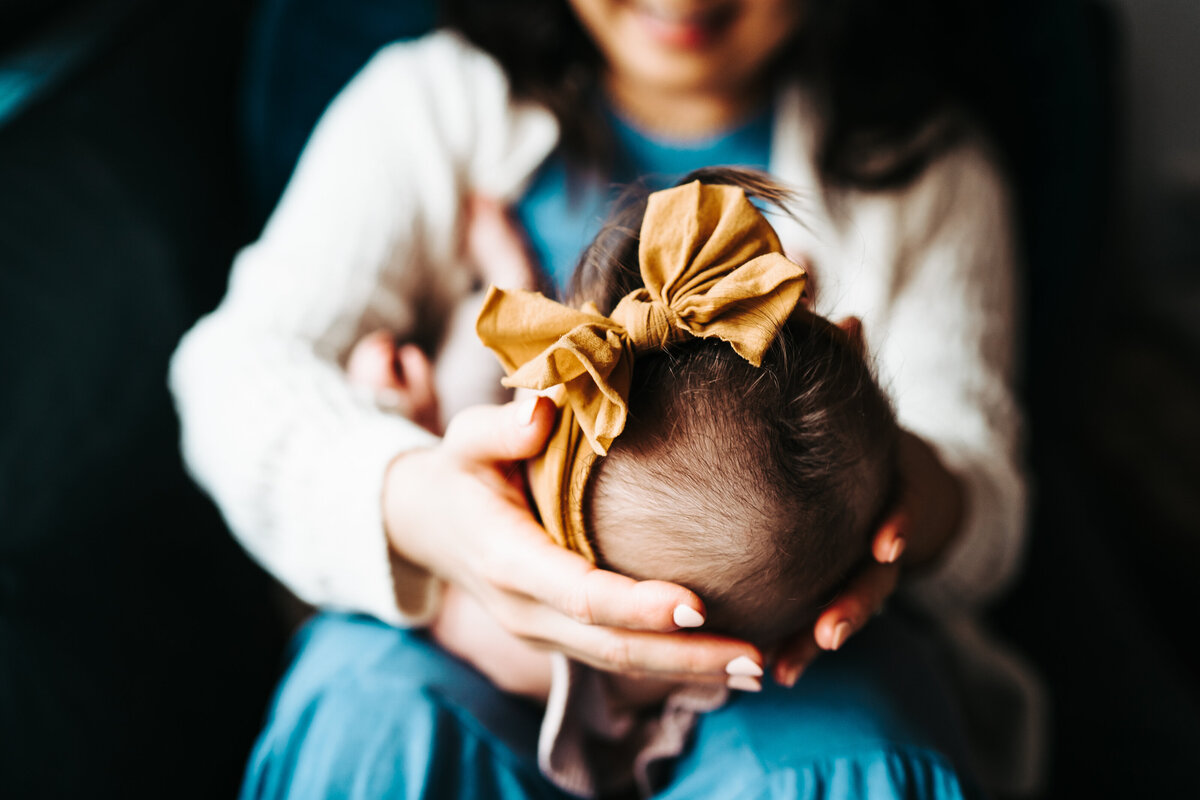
point(399, 509)
point(934, 498)
point(416, 589)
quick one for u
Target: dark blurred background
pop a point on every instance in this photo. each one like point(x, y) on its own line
point(142, 141)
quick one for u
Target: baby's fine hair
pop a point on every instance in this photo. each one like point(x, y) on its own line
point(756, 487)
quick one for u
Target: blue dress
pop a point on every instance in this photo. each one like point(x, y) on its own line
point(369, 711)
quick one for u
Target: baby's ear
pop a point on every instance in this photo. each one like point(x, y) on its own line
point(853, 328)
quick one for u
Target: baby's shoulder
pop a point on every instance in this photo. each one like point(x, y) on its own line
point(438, 71)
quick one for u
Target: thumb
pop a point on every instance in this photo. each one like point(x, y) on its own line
point(486, 434)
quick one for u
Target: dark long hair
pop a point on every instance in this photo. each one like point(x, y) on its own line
point(895, 80)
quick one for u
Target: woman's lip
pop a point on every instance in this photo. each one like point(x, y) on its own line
point(690, 30)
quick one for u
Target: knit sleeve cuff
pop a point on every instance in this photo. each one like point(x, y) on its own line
point(348, 562)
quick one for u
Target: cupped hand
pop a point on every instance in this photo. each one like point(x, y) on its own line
point(924, 521)
point(459, 511)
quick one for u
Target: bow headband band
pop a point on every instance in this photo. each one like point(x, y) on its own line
point(711, 265)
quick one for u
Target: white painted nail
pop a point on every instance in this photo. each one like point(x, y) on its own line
point(744, 683)
point(526, 410)
point(687, 617)
point(743, 666)
point(840, 634)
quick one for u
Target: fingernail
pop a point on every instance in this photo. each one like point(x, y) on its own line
point(391, 400)
point(898, 545)
point(789, 675)
point(526, 410)
point(743, 666)
point(744, 683)
point(840, 634)
point(687, 617)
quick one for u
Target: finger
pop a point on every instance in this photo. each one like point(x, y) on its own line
point(853, 328)
point(691, 657)
point(892, 537)
point(862, 597)
point(793, 658)
point(487, 434)
point(371, 363)
point(415, 371)
point(577, 589)
point(687, 656)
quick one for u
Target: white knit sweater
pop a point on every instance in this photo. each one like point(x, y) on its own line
point(367, 236)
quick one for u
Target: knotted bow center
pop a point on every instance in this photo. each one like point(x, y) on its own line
point(649, 324)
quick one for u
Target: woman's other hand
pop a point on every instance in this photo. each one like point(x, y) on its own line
point(459, 511)
point(920, 528)
point(399, 377)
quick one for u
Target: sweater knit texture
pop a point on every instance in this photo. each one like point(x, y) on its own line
point(367, 236)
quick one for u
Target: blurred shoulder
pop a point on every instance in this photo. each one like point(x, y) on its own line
point(452, 97)
point(441, 65)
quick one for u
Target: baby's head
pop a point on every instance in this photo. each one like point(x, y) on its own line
point(755, 486)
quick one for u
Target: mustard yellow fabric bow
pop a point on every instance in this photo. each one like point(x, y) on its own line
point(712, 267)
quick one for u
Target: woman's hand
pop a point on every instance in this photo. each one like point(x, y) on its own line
point(459, 511)
point(923, 523)
point(399, 377)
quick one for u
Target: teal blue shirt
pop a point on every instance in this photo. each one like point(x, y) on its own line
point(560, 225)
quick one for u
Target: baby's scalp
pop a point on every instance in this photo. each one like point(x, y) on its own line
point(751, 454)
point(755, 488)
